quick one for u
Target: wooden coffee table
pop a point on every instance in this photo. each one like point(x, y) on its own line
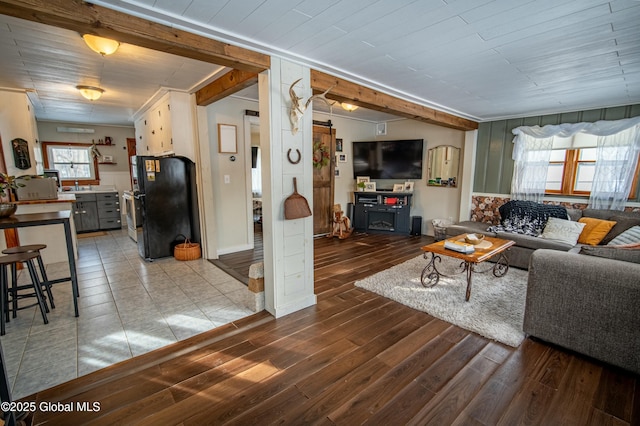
point(487, 249)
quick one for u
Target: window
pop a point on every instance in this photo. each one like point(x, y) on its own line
point(571, 171)
point(75, 162)
point(597, 159)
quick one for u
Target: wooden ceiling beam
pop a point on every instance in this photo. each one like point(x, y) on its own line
point(356, 94)
point(77, 15)
point(224, 86)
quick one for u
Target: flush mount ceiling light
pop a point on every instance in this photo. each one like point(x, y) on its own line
point(349, 107)
point(89, 92)
point(101, 45)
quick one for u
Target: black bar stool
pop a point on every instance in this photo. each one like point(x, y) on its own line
point(5, 292)
point(46, 285)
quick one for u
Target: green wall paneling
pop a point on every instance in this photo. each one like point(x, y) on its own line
point(494, 166)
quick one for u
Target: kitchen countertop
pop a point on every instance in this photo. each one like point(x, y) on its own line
point(62, 198)
point(94, 190)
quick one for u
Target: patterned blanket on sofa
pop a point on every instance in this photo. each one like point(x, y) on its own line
point(526, 217)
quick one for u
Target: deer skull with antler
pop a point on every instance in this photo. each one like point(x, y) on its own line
point(298, 109)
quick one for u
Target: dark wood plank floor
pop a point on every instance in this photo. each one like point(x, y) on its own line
point(354, 358)
point(237, 264)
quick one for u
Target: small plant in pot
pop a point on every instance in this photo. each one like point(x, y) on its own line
point(7, 183)
point(360, 186)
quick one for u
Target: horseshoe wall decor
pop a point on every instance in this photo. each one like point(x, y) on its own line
point(289, 156)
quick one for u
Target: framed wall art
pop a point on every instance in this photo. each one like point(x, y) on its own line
point(20, 148)
point(369, 187)
point(227, 139)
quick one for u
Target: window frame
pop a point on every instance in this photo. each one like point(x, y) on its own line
point(70, 182)
point(570, 170)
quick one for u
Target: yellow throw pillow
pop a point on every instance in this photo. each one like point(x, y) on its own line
point(594, 230)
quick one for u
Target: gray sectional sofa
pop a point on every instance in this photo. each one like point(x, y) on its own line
point(520, 253)
point(587, 304)
point(586, 299)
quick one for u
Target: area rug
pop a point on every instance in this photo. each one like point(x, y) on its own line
point(495, 309)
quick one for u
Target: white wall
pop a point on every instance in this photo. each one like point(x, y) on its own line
point(48, 133)
point(230, 200)
point(428, 201)
point(17, 121)
point(116, 175)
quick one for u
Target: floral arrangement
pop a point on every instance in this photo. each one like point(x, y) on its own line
point(6, 183)
point(320, 155)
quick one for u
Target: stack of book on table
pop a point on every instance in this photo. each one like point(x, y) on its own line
point(459, 246)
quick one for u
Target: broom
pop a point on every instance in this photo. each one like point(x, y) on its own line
point(296, 206)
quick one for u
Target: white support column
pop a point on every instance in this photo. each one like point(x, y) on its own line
point(468, 173)
point(288, 244)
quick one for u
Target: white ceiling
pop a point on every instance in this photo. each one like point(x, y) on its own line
point(481, 59)
point(51, 62)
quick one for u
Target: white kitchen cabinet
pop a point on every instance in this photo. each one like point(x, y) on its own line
point(167, 126)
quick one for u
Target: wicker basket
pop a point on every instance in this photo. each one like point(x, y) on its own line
point(187, 251)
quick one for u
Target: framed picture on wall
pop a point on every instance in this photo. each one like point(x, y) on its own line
point(342, 158)
point(227, 143)
point(338, 145)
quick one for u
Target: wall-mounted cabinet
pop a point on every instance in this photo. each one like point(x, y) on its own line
point(167, 126)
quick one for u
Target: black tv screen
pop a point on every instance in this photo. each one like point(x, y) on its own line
point(398, 159)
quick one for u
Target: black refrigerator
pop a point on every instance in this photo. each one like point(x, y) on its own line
point(166, 190)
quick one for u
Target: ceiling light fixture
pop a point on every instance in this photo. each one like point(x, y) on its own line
point(349, 107)
point(90, 92)
point(101, 45)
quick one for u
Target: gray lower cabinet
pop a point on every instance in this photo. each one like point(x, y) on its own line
point(109, 210)
point(85, 213)
point(97, 211)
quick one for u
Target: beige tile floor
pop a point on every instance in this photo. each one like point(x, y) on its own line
point(127, 307)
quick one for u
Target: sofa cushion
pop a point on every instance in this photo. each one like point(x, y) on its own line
point(562, 230)
point(613, 252)
point(630, 236)
point(594, 230)
point(622, 224)
point(469, 227)
point(574, 214)
point(534, 243)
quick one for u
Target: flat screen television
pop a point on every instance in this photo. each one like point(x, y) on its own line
point(395, 159)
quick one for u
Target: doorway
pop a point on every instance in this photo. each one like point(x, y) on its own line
point(324, 164)
point(254, 170)
point(131, 152)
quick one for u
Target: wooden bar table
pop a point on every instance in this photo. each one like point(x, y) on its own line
point(50, 218)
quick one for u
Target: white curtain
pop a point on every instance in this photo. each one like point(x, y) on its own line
point(256, 177)
point(531, 156)
point(618, 145)
point(616, 162)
